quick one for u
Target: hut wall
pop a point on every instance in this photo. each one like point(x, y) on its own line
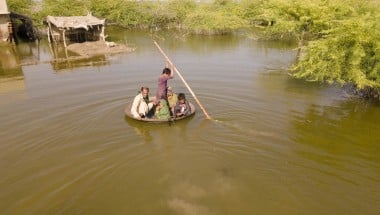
point(4, 19)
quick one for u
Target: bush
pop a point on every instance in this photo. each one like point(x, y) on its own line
point(349, 54)
point(211, 20)
point(20, 6)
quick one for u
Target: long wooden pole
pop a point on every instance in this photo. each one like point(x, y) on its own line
point(184, 81)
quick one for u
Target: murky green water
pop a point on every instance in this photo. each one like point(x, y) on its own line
point(280, 146)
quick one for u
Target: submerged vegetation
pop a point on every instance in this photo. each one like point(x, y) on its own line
point(338, 41)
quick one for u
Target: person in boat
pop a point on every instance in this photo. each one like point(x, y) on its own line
point(172, 98)
point(162, 85)
point(142, 106)
point(182, 107)
point(162, 110)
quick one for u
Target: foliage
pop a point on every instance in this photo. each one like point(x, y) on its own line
point(59, 8)
point(20, 6)
point(180, 9)
point(65, 7)
point(214, 19)
point(289, 17)
point(222, 2)
point(337, 39)
point(124, 13)
point(343, 37)
point(349, 54)
point(156, 14)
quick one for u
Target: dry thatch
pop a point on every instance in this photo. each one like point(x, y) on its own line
point(75, 22)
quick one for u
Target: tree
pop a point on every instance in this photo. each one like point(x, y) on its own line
point(181, 9)
point(20, 6)
point(218, 18)
point(343, 43)
point(349, 53)
point(65, 7)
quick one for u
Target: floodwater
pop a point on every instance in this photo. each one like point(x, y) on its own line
point(277, 145)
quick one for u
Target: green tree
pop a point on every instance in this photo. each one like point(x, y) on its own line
point(181, 9)
point(349, 53)
point(119, 11)
point(20, 6)
point(65, 7)
point(342, 37)
point(215, 19)
point(337, 39)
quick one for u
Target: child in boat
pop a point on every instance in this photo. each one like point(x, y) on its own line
point(172, 98)
point(182, 107)
point(162, 110)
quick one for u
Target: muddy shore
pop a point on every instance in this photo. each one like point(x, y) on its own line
point(98, 48)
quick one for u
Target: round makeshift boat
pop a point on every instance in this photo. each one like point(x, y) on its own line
point(128, 113)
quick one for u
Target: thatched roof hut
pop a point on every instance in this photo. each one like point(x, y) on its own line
point(75, 28)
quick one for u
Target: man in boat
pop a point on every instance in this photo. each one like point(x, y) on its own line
point(162, 85)
point(142, 106)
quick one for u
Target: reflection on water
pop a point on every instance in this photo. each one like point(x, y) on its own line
point(279, 145)
point(9, 62)
point(149, 131)
point(12, 84)
point(70, 64)
point(344, 116)
point(64, 59)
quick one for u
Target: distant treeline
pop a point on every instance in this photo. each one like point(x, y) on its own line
point(338, 40)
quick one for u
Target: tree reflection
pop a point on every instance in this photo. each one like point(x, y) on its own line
point(9, 62)
point(12, 84)
point(346, 127)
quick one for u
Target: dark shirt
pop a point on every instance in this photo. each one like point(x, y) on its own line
point(184, 109)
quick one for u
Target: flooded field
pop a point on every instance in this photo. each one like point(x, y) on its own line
point(277, 146)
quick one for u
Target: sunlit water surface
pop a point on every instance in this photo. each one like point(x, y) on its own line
point(277, 145)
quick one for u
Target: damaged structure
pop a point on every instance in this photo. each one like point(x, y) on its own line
point(13, 23)
point(5, 22)
point(75, 29)
point(83, 35)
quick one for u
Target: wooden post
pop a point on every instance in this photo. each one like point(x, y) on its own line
point(64, 38)
point(51, 32)
point(102, 34)
point(48, 34)
point(49, 39)
point(64, 42)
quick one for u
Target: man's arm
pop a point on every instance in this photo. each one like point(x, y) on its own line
point(171, 69)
